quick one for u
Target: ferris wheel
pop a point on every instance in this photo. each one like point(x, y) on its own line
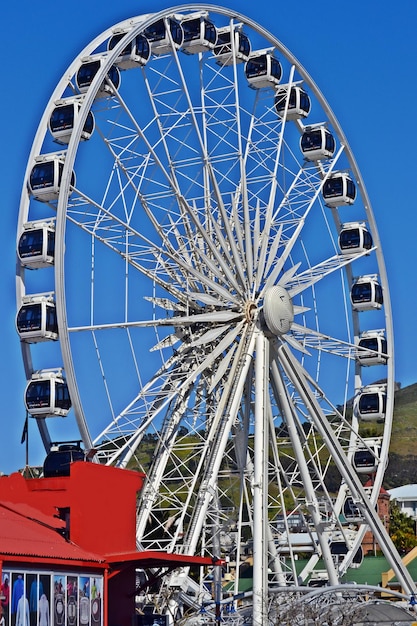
point(202, 295)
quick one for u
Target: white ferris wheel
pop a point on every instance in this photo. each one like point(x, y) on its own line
point(202, 295)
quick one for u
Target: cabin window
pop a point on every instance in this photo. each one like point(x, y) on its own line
point(362, 292)
point(62, 118)
point(191, 29)
point(30, 318)
point(62, 398)
point(329, 144)
point(42, 175)
point(210, 32)
point(333, 187)
point(311, 140)
point(51, 322)
point(350, 238)
point(38, 394)
point(31, 243)
point(244, 45)
point(256, 67)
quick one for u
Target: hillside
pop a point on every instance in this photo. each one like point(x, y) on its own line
point(402, 466)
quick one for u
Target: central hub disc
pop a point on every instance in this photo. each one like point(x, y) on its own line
point(278, 310)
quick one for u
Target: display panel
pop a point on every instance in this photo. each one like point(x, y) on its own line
point(31, 598)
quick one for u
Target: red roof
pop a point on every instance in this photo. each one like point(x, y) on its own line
point(382, 491)
point(28, 533)
point(153, 558)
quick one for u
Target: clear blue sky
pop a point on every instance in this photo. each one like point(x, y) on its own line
point(362, 55)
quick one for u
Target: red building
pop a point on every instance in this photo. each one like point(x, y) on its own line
point(68, 548)
point(369, 543)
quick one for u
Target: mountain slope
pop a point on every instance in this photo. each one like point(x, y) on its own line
point(402, 466)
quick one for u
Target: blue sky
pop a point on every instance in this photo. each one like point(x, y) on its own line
point(361, 55)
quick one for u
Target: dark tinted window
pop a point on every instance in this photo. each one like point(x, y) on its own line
point(362, 292)
point(38, 394)
point(333, 187)
point(30, 318)
point(369, 403)
point(42, 175)
point(62, 118)
point(349, 238)
point(57, 462)
point(31, 243)
point(62, 399)
point(311, 140)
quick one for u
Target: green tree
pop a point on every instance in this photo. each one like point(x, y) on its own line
point(401, 529)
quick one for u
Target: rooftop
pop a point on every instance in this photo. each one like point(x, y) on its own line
point(405, 492)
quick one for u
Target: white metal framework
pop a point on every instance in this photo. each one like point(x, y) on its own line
point(206, 326)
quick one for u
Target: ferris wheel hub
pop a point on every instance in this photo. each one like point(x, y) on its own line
point(278, 310)
point(250, 308)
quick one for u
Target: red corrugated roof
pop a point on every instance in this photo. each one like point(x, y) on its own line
point(25, 531)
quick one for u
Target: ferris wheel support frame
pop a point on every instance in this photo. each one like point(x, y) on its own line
point(358, 493)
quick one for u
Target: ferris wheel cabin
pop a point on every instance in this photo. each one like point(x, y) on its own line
point(36, 245)
point(338, 190)
point(371, 404)
point(87, 72)
point(372, 348)
point(45, 177)
point(366, 294)
point(59, 458)
point(263, 70)
point(366, 459)
point(199, 34)
point(135, 54)
point(36, 319)
point(162, 34)
point(317, 144)
point(47, 395)
point(63, 118)
point(351, 511)
point(354, 237)
point(294, 100)
point(232, 46)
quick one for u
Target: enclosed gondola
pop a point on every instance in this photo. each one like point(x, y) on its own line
point(45, 177)
point(338, 548)
point(366, 459)
point(317, 144)
point(372, 348)
point(366, 294)
point(87, 71)
point(339, 189)
point(36, 319)
point(200, 34)
point(164, 34)
point(135, 53)
point(370, 405)
point(59, 458)
point(47, 395)
point(232, 46)
point(355, 237)
point(262, 70)
point(292, 102)
point(351, 512)
point(36, 245)
point(64, 117)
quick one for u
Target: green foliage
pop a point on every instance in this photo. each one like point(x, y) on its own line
point(402, 529)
